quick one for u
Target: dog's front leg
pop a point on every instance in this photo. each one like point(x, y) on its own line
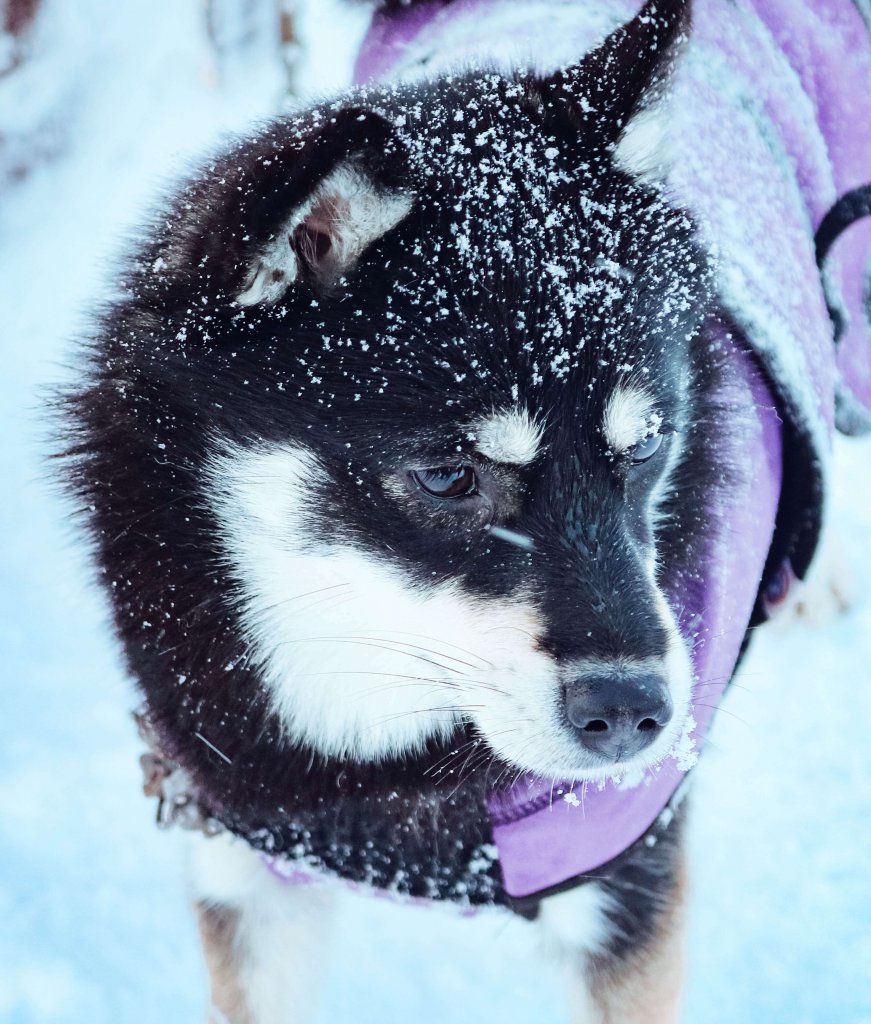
point(264, 940)
point(645, 986)
point(626, 958)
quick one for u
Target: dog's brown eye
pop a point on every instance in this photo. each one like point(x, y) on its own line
point(446, 481)
point(646, 448)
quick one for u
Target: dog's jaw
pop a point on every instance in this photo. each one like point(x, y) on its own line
point(358, 661)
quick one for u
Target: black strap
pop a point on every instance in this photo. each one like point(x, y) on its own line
point(852, 206)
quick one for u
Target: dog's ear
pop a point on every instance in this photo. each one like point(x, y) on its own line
point(322, 237)
point(616, 84)
point(298, 203)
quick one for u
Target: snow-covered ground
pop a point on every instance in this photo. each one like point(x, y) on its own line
point(94, 927)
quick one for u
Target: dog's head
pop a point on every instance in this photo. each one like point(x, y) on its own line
point(420, 365)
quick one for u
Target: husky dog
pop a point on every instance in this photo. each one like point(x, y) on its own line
point(399, 453)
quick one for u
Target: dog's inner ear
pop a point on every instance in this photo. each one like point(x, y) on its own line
point(613, 89)
point(322, 239)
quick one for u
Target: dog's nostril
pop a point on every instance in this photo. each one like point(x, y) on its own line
point(618, 715)
point(597, 725)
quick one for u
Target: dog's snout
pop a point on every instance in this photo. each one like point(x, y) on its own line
point(618, 716)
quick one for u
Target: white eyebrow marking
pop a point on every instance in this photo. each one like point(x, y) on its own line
point(511, 435)
point(627, 418)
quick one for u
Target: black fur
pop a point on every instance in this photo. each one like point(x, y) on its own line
point(456, 311)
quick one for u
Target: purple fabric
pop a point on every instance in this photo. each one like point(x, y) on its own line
point(393, 34)
point(770, 115)
point(388, 38)
point(292, 873)
point(396, 40)
point(833, 62)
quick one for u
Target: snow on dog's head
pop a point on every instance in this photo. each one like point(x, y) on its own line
point(370, 347)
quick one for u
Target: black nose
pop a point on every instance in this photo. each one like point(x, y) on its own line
point(618, 715)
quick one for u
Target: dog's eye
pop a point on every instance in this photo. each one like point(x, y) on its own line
point(446, 481)
point(646, 448)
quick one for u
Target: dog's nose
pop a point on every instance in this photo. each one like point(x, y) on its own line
point(617, 716)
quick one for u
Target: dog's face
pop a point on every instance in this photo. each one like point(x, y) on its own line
point(440, 342)
point(480, 382)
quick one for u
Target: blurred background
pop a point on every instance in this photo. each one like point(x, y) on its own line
point(103, 104)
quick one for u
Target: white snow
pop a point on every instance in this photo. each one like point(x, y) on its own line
point(95, 926)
